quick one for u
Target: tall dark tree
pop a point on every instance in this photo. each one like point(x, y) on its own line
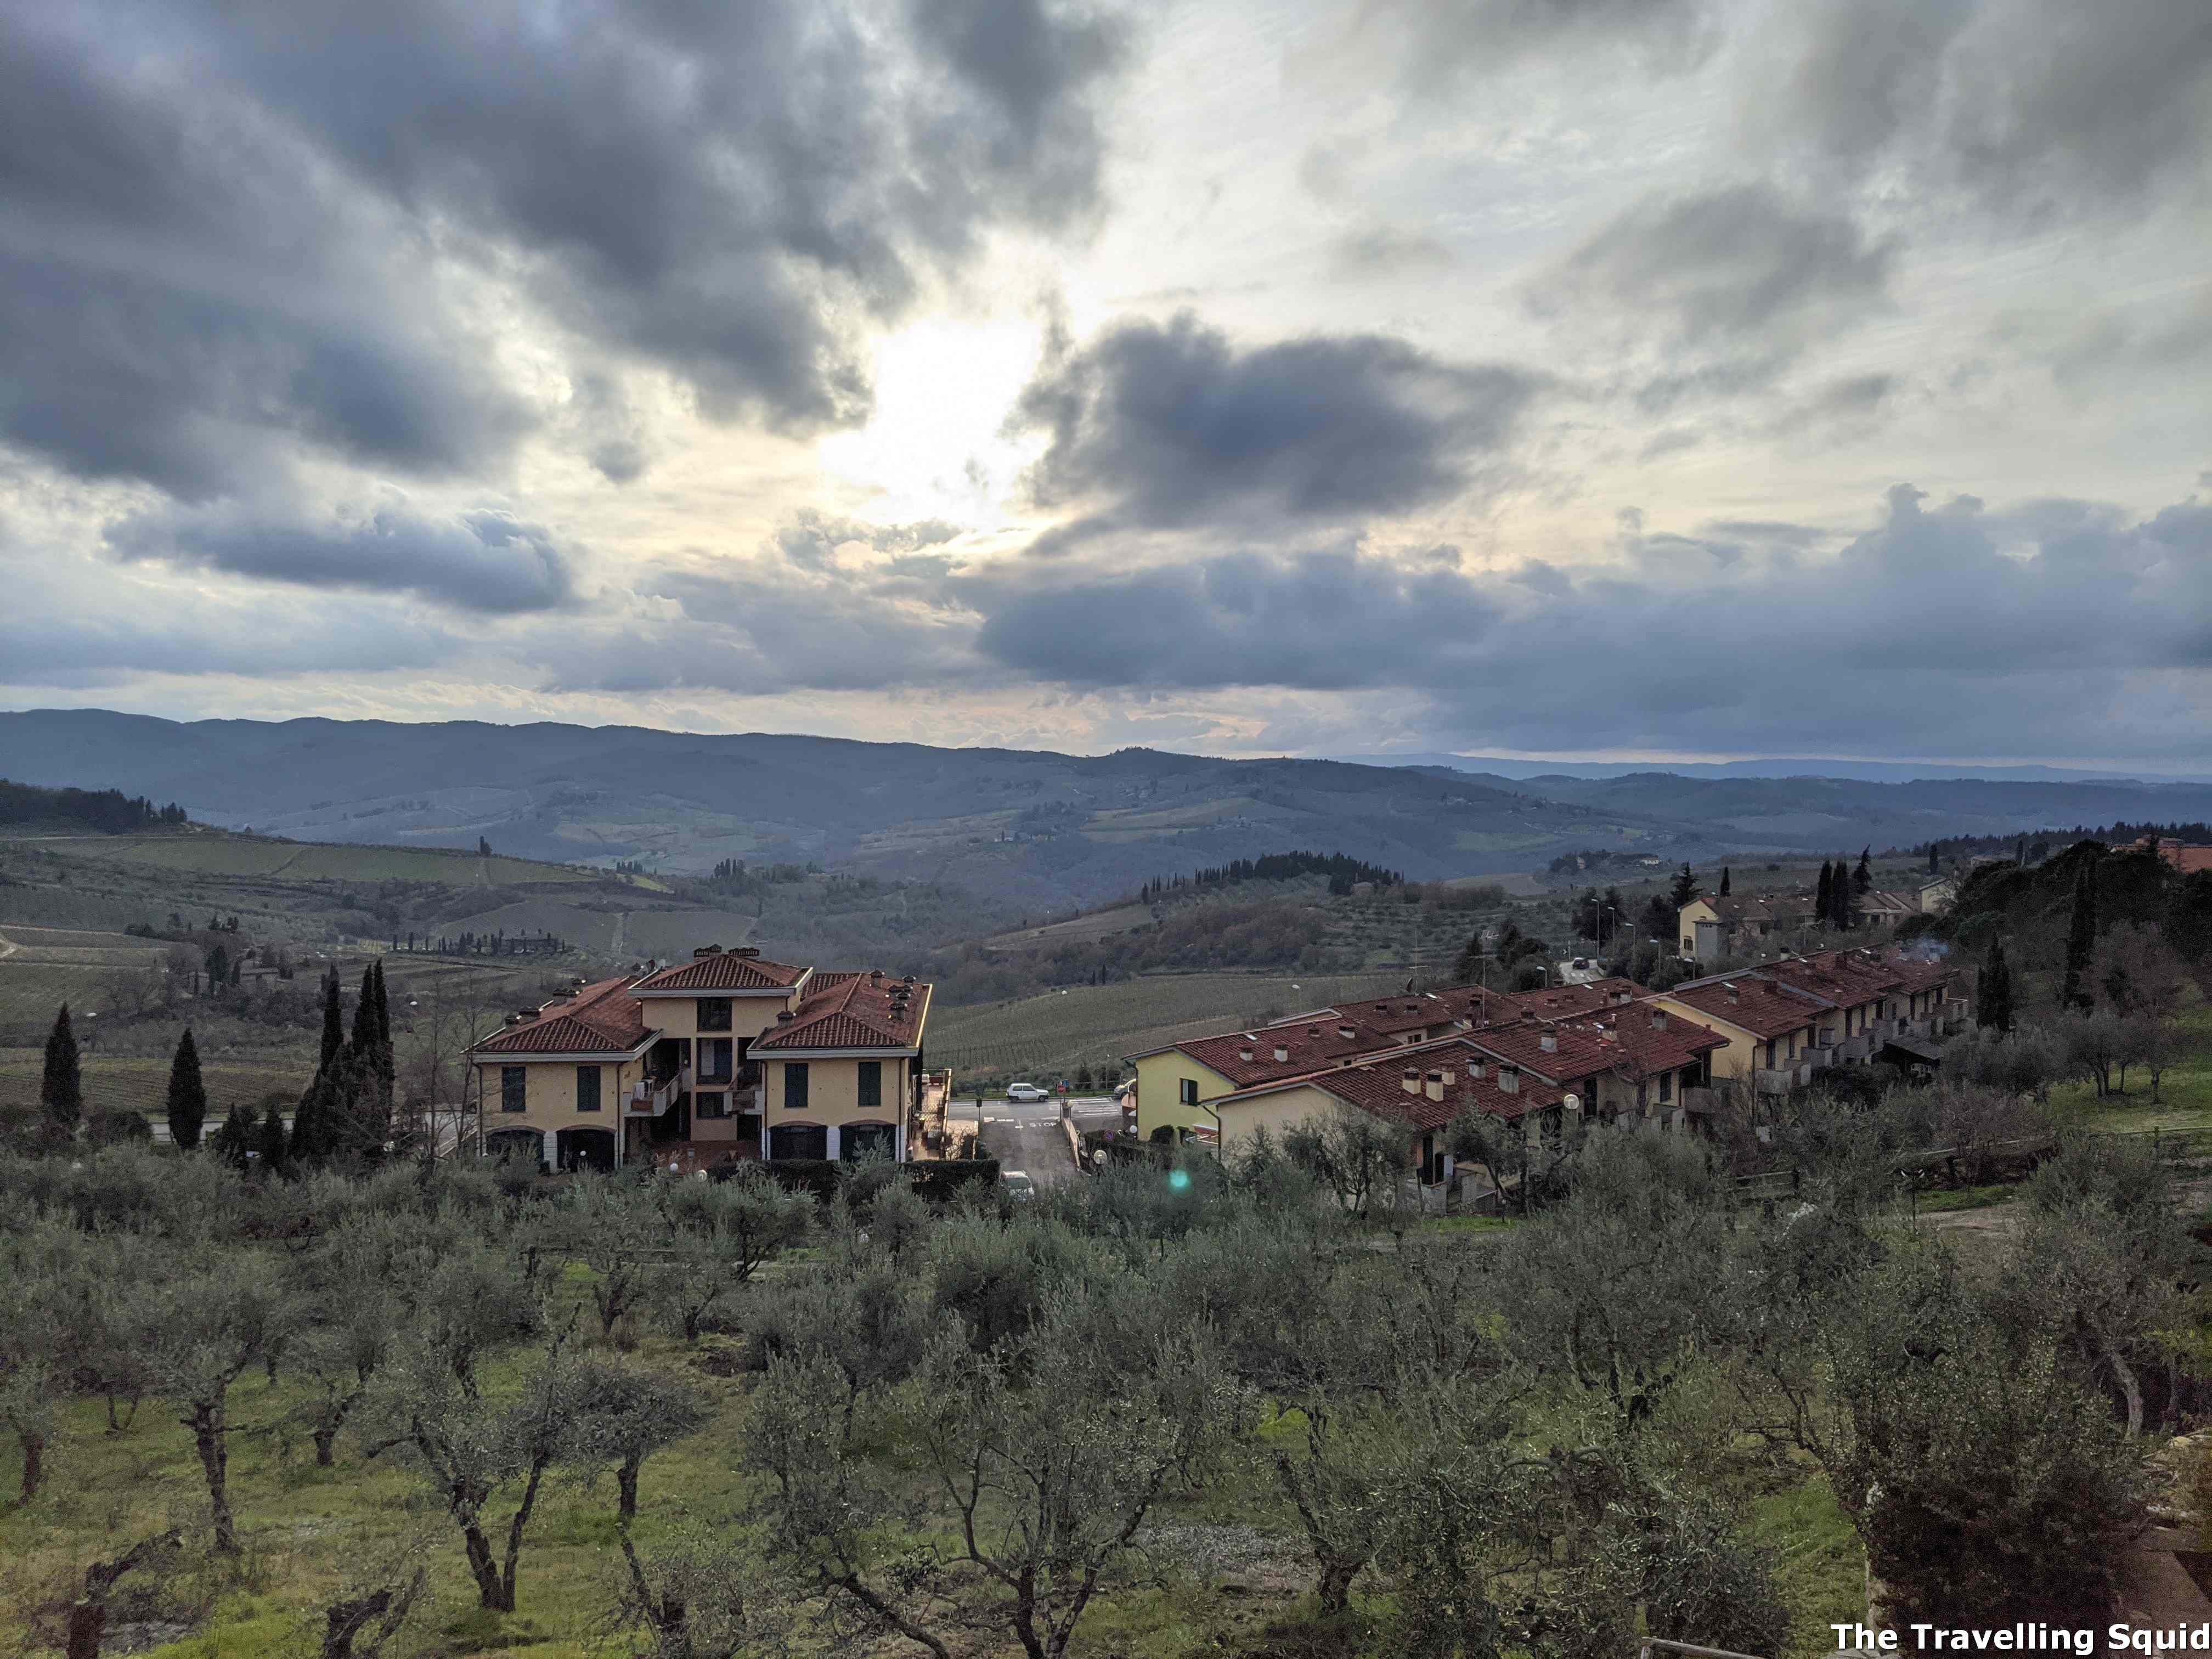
point(2081, 939)
point(333, 1022)
point(61, 1085)
point(1993, 997)
point(1686, 886)
point(218, 966)
point(1824, 897)
point(234, 1139)
point(1863, 875)
point(187, 1094)
point(1840, 895)
point(275, 1156)
point(1724, 881)
point(1934, 858)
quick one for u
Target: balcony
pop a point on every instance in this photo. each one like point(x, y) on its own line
point(654, 1096)
point(1857, 1048)
point(1696, 1101)
point(1774, 1080)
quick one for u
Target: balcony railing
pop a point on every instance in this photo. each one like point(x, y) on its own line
point(1774, 1080)
point(654, 1096)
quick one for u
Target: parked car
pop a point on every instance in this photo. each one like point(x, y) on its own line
point(1027, 1091)
point(1018, 1184)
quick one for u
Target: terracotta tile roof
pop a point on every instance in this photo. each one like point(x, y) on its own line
point(1560, 1001)
point(1761, 1007)
point(724, 970)
point(853, 1011)
point(601, 1019)
point(1645, 1048)
point(1343, 1032)
point(1840, 984)
point(1576, 1051)
point(1378, 1087)
point(1779, 909)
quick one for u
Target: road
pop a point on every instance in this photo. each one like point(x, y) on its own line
point(1026, 1135)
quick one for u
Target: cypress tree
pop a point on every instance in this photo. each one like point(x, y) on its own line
point(2081, 939)
point(1862, 877)
point(333, 1022)
point(274, 1154)
point(235, 1138)
point(363, 1040)
point(1840, 895)
point(1724, 881)
point(187, 1094)
point(1824, 899)
point(1993, 990)
point(61, 1086)
point(1934, 858)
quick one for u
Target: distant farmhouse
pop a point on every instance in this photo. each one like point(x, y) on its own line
point(2183, 857)
point(1713, 926)
point(726, 1057)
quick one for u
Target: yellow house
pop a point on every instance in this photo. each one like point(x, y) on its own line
point(1712, 926)
point(1770, 1031)
point(725, 1056)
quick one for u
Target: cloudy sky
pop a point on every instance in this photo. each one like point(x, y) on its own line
point(1604, 377)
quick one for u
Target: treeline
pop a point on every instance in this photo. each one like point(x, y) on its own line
point(732, 876)
point(110, 811)
point(497, 943)
point(1342, 870)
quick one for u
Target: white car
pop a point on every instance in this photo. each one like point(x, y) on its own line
point(1027, 1091)
point(1018, 1184)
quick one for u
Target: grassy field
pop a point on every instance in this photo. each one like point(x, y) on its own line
point(1087, 1023)
point(2185, 1093)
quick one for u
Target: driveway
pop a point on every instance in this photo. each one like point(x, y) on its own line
point(1027, 1136)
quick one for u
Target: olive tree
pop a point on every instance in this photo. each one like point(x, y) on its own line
point(625, 1412)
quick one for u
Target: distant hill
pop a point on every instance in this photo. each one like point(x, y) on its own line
point(1025, 831)
point(1031, 829)
point(1863, 771)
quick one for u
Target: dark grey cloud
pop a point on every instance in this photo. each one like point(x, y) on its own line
point(1327, 620)
point(1173, 424)
point(2037, 108)
point(483, 560)
point(237, 230)
point(1740, 637)
point(1445, 39)
point(1717, 268)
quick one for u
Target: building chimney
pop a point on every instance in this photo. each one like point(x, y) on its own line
point(1244, 1054)
point(706, 951)
point(1508, 1078)
point(1732, 995)
point(1281, 1053)
point(1478, 1068)
point(748, 951)
point(1435, 1082)
point(1448, 1074)
point(1412, 1082)
point(1658, 1019)
point(1346, 1032)
point(1549, 1042)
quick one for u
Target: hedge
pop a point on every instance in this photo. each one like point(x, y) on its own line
point(821, 1177)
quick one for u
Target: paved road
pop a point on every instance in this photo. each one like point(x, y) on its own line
point(1026, 1135)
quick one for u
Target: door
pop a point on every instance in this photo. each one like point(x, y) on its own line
point(861, 1140)
point(586, 1149)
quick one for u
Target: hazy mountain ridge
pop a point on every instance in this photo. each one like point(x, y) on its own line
point(1031, 828)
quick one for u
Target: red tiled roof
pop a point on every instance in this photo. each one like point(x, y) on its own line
point(1577, 1051)
point(1764, 1009)
point(1644, 1050)
point(852, 1011)
point(1788, 909)
point(1558, 1001)
point(599, 1019)
point(1377, 1087)
point(724, 970)
point(1313, 1041)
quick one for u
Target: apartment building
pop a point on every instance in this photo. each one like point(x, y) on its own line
point(1711, 926)
point(725, 1056)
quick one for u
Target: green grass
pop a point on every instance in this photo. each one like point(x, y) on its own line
point(1964, 1198)
point(1816, 1560)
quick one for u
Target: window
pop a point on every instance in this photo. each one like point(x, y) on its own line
point(514, 1088)
point(711, 1105)
point(794, 1085)
point(713, 1060)
point(871, 1083)
point(714, 1013)
point(1188, 1086)
point(587, 1088)
point(1666, 1087)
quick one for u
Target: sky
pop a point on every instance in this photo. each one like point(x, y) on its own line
point(1605, 379)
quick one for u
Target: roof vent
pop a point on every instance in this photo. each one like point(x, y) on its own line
point(1658, 1019)
point(785, 1017)
point(1549, 1042)
point(1346, 1032)
point(909, 980)
point(1733, 996)
point(1281, 1053)
point(1244, 1054)
point(875, 977)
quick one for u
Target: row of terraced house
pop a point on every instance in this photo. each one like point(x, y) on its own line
point(724, 1057)
point(1608, 1052)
